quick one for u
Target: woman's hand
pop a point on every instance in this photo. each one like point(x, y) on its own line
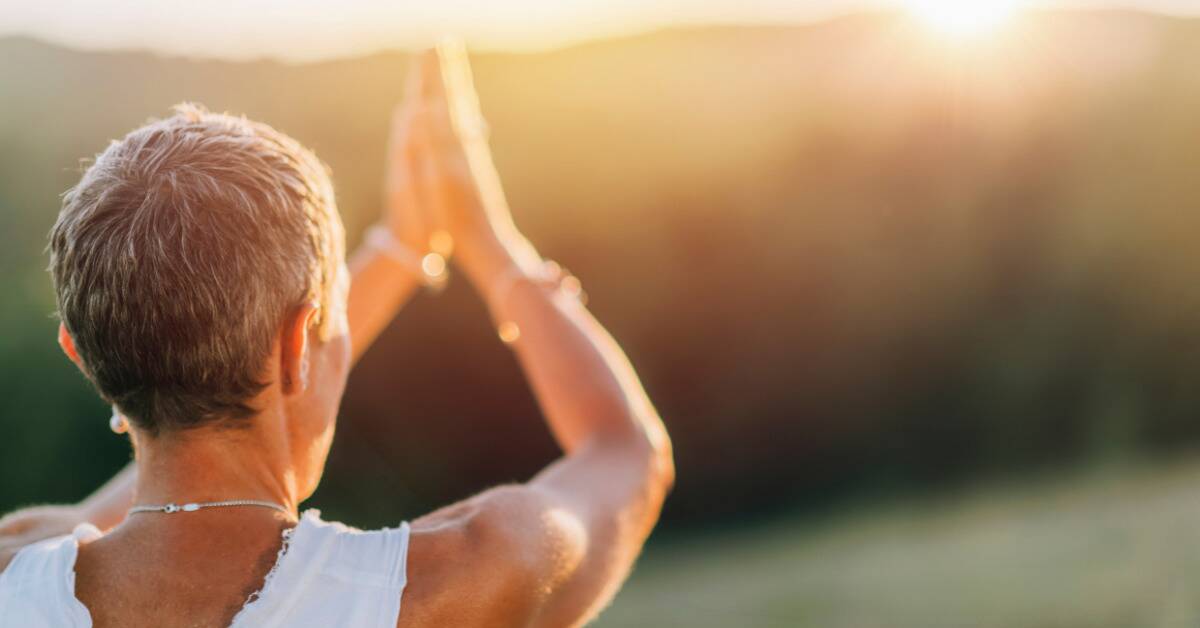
point(409, 207)
point(468, 198)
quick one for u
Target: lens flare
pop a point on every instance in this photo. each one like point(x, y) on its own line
point(963, 19)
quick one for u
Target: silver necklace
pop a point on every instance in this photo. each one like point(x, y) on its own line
point(193, 507)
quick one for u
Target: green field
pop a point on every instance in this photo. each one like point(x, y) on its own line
point(1114, 548)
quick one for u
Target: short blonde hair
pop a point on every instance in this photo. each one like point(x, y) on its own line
point(178, 256)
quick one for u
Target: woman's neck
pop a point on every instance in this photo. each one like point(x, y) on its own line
point(215, 464)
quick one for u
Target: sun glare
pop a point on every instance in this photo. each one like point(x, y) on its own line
point(963, 19)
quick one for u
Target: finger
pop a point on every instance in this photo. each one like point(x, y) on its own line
point(398, 137)
point(433, 150)
point(400, 185)
point(433, 197)
point(398, 176)
point(449, 61)
point(455, 71)
point(441, 198)
point(466, 115)
point(460, 87)
point(414, 89)
point(432, 89)
point(430, 129)
point(433, 104)
point(419, 127)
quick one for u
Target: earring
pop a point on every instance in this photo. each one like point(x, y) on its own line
point(117, 423)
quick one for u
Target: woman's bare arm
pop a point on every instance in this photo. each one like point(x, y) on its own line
point(588, 514)
point(554, 550)
point(379, 288)
point(105, 509)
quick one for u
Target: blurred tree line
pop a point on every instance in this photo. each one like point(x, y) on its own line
point(844, 257)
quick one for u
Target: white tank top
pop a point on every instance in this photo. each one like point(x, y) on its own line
point(327, 574)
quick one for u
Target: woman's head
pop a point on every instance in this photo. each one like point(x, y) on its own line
point(199, 271)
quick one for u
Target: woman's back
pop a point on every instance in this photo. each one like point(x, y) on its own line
point(318, 574)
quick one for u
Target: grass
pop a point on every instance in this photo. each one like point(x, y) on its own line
point(1110, 549)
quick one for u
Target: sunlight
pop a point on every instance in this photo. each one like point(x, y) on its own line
point(963, 19)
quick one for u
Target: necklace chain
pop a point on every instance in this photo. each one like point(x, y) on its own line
point(194, 506)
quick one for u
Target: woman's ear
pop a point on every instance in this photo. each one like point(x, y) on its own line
point(68, 345)
point(293, 352)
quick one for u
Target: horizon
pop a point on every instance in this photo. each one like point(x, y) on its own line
point(365, 28)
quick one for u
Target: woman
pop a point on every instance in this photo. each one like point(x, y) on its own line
point(199, 274)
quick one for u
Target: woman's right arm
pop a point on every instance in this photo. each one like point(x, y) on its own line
point(105, 509)
point(584, 518)
point(552, 551)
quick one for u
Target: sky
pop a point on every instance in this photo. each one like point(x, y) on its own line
point(313, 29)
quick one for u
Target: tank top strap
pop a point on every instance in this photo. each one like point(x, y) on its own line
point(333, 575)
point(37, 589)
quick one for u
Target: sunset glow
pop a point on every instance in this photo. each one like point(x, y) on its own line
point(307, 30)
point(959, 19)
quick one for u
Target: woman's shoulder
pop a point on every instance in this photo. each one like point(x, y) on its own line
point(489, 548)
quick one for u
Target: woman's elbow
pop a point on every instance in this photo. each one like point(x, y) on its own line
point(664, 463)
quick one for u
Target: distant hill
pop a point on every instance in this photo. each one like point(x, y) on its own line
point(842, 254)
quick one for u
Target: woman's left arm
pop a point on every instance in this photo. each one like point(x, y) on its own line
point(105, 509)
point(379, 287)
